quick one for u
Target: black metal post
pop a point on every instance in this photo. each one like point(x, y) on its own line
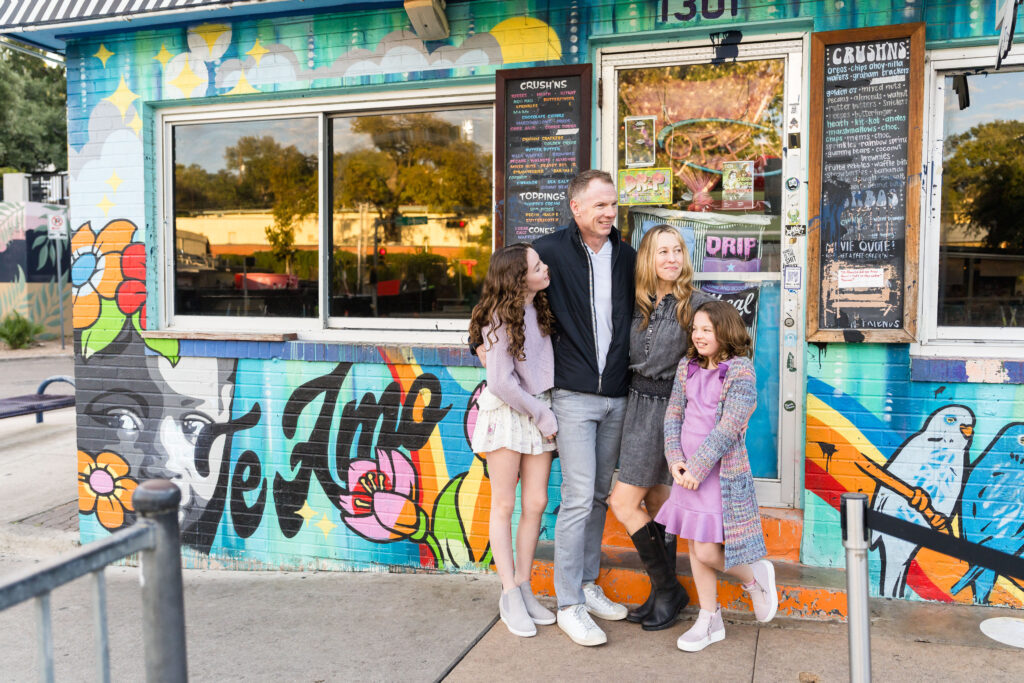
point(163, 602)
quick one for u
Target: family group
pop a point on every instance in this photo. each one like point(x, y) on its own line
point(613, 358)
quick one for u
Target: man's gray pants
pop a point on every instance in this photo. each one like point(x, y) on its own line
point(589, 432)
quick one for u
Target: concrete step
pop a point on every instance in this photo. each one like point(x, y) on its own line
point(783, 529)
point(804, 592)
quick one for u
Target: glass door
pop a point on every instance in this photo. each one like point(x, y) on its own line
point(700, 143)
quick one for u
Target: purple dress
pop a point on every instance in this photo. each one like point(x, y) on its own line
point(697, 515)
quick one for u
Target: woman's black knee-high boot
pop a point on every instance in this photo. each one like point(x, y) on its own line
point(669, 596)
point(669, 542)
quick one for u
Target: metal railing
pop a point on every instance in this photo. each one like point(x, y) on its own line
point(155, 536)
point(857, 521)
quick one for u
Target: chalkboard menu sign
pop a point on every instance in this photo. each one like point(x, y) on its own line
point(866, 114)
point(542, 140)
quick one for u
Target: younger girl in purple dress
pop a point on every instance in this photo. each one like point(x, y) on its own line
point(515, 426)
point(712, 501)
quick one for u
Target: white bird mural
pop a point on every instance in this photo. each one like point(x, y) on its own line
point(933, 460)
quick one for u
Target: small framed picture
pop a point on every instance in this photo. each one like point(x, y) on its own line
point(639, 140)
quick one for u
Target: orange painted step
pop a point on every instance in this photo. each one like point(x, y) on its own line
point(783, 529)
point(804, 592)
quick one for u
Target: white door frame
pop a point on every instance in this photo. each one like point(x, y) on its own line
point(787, 489)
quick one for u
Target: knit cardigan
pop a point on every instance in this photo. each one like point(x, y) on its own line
point(744, 537)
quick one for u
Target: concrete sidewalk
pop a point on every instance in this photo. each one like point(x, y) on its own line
point(324, 626)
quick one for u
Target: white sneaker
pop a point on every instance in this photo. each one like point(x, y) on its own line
point(763, 596)
point(600, 606)
point(578, 625)
point(708, 629)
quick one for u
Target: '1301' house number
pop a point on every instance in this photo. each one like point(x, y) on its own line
point(709, 9)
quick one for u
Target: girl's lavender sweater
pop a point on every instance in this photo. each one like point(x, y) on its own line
point(516, 382)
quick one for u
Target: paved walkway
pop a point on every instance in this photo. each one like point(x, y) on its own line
point(324, 626)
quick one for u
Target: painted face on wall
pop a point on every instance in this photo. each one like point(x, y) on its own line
point(171, 422)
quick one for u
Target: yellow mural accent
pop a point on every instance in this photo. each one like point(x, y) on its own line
point(525, 39)
point(122, 97)
point(114, 181)
point(210, 33)
point(325, 525)
point(136, 123)
point(307, 513)
point(106, 205)
point(257, 52)
point(187, 81)
point(103, 54)
point(242, 87)
point(163, 56)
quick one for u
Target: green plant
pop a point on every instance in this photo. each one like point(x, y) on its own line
point(18, 331)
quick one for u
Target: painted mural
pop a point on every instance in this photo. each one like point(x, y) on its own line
point(28, 266)
point(315, 455)
point(285, 457)
point(946, 456)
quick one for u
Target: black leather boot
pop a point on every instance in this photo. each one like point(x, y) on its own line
point(669, 596)
point(669, 542)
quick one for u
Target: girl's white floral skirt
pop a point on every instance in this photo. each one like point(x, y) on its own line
point(499, 426)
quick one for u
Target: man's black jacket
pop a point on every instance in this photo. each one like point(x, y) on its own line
point(571, 297)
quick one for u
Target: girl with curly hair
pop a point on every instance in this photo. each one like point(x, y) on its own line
point(515, 426)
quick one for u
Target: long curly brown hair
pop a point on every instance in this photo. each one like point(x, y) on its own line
point(503, 302)
point(647, 277)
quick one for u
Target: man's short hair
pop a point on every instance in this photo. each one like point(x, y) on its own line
point(579, 184)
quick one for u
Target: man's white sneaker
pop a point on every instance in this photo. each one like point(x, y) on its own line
point(600, 606)
point(578, 625)
point(763, 595)
point(708, 629)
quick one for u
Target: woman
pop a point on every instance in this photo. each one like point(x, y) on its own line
point(665, 300)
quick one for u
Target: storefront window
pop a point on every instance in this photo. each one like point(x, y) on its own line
point(246, 235)
point(981, 237)
point(411, 225)
point(700, 148)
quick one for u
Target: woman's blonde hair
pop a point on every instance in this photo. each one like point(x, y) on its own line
point(647, 277)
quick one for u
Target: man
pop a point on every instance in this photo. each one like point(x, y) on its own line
point(591, 294)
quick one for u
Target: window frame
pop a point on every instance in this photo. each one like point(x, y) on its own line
point(323, 327)
point(936, 340)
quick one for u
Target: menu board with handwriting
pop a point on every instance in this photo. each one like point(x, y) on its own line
point(864, 199)
point(542, 140)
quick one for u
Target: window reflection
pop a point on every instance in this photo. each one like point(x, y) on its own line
point(981, 247)
point(245, 218)
point(411, 228)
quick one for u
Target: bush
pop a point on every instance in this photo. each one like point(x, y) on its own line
point(18, 331)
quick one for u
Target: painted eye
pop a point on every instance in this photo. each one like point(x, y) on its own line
point(1020, 439)
point(950, 420)
point(192, 426)
point(122, 418)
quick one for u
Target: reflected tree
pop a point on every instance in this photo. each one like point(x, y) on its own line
point(983, 182)
point(415, 159)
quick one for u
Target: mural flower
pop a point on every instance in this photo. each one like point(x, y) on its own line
point(108, 284)
point(131, 293)
point(380, 504)
point(96, 268)
point(104, 488)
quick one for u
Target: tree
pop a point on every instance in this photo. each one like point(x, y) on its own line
point(33, 120)
point(983, 180)
point(415, 159)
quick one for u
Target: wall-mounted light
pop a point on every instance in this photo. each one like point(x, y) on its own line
point(428, 19)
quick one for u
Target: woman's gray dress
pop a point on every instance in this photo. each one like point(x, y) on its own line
point(654, 354)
